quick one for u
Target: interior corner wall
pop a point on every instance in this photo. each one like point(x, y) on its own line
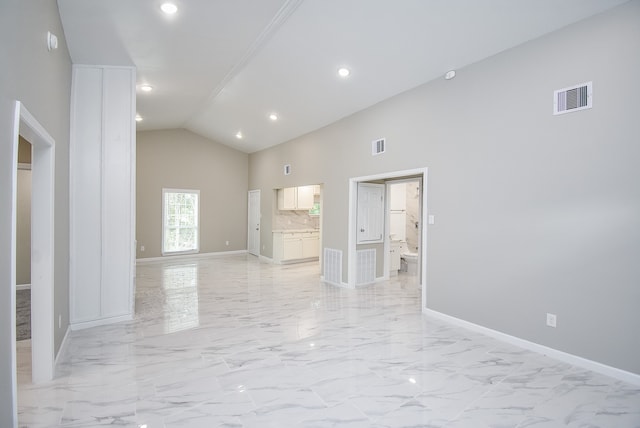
point(534, 213)
point(41, 80)
point(180, 159)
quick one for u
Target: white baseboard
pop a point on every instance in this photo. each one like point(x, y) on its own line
point(337, 284)
point(95, 323)
point(187, 256)
point(295, 261)
point(62, 346)
point(23, 287)
point(265, 259)
point(575, 360)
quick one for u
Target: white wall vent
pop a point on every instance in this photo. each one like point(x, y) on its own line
point(366, 266)
point(572, 99)
point(287, 169)
point(332, 262)
point(378, 146)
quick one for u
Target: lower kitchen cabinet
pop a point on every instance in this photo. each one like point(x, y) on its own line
point(290, 247)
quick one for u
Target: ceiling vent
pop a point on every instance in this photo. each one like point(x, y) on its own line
point(378, 146)
point(572, 99)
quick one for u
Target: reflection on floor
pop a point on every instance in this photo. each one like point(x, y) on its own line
point(232, 342)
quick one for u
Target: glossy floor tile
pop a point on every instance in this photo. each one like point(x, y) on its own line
point(232, 342)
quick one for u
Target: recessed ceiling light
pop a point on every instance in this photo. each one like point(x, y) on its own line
point(450, 74)
point(273, 117)
point(169, 8)
point(138, 118)
point(239, 135)
point(344, 72)
point(146, 88)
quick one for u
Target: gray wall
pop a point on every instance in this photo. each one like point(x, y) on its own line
point(42, 81)
point(534, 213)
point(180, 159)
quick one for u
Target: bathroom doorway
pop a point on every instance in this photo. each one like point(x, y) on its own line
point(404, 225)
point(419, 174)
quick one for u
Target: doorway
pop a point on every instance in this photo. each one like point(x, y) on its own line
point(419, 174)
point(42, 242)
point(16, 120)
point(404, 226)
point(23, 262)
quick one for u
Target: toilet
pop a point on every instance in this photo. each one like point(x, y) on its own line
point(411, 259)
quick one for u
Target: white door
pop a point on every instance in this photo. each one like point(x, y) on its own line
point(253, 232)
point(370, 215)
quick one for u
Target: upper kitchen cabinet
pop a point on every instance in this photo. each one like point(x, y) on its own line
point(295, 198)
point(305, 197)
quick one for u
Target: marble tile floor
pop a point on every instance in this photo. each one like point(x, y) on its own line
point(232, 342)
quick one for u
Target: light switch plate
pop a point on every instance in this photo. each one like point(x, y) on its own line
point(551, 320)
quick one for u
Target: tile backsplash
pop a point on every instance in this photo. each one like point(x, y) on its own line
point(284, 220)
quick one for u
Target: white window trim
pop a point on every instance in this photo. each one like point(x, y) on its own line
point(173, 253)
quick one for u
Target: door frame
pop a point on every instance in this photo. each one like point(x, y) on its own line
point(42, 242)
point(19, 121)
point(352, 236)
point(250, 228)
point(387, 243)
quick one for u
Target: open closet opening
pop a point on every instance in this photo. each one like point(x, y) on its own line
point(23, 261)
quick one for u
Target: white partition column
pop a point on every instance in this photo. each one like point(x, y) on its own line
point(102, 151)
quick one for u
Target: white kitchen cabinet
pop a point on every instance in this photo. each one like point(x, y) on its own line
point(310, 245)
point(291, 247)
point(287, 198)
point(295, 198)
point(305, 198)
point(295, 246)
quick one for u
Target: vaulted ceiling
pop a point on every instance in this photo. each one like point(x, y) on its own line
point(220, 67)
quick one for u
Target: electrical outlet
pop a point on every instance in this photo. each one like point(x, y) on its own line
point(226, 243)
point(551, 320)
point(142, 248)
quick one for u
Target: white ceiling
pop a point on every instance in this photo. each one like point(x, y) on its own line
point(222, 66)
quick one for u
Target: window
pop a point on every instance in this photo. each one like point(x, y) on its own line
point(315, 211)
point(180, 221)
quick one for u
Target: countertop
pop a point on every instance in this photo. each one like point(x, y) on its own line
point(294, 230)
